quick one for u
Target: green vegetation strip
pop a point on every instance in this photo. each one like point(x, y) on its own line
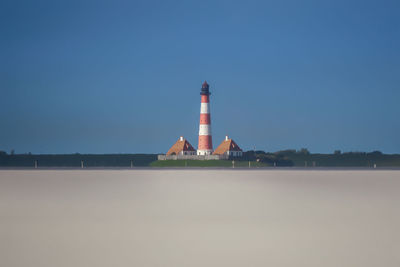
point(207, 163)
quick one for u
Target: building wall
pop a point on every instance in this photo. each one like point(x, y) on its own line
point(234, 153)
point(187, 153)
point(192, 157)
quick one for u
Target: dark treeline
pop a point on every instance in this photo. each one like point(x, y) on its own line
point(75, 160)
point(303, 158)
point(284, 158)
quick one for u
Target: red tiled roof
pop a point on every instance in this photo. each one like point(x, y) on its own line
point(180, 145)
point(226, 145)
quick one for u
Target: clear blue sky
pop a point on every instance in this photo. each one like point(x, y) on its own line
point(125, 76)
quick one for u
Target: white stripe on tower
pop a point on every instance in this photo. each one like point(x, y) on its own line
point(204, 108)
point(205, 139)
point(205, 129)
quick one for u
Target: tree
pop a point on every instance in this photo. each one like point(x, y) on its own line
point(304, 151)
point(286, 152)
point(376, 152)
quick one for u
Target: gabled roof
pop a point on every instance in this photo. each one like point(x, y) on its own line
point(180, 145)
point(227, 145)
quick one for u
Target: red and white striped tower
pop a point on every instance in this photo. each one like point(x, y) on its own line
point(205, 139)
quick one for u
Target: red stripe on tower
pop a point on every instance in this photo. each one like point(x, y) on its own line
point(205, 139)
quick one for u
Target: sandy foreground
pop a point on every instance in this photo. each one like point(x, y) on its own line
point(199, 218)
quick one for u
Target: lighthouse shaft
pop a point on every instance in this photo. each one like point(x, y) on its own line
point(205, 138)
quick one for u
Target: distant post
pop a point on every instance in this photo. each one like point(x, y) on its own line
point(131, 164)
point(249, 164)
point(274, 163)
point(81, 164)
point(233, 164)
point(36, 165)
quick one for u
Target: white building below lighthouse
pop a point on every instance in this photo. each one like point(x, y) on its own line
point(229, 148)
point(181, 147)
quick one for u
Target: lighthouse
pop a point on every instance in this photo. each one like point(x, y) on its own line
point(205, 139)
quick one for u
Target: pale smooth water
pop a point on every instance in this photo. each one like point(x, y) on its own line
point(199, 218)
